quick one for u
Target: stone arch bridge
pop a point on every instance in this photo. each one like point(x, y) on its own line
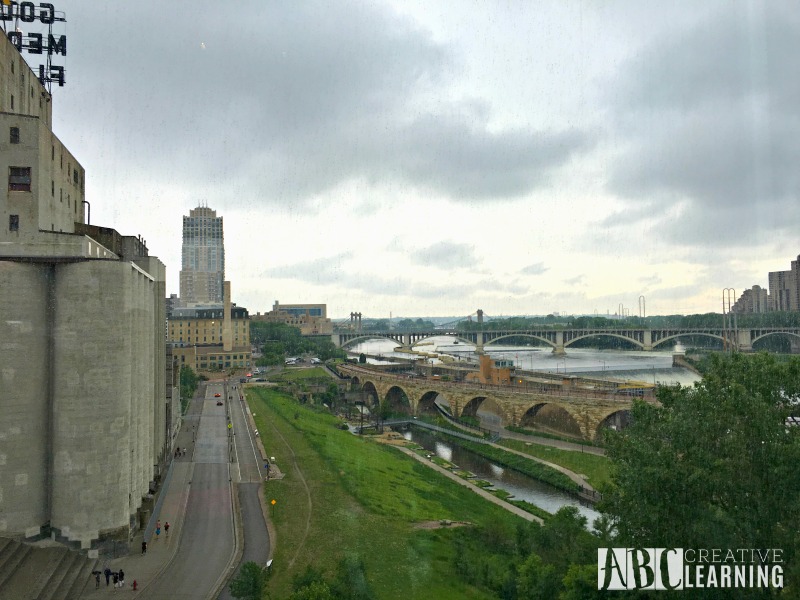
point(590, 411)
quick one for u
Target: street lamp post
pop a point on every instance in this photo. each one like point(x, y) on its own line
point(728, 326)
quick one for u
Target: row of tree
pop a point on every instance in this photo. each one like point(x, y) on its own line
point(279, 341)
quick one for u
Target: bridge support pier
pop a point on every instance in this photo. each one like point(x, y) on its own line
point(558, 349)
point(647, 340)
point(743, 341)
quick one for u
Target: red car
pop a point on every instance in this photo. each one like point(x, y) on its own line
point(217, 395)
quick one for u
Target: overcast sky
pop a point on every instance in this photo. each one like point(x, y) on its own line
point(429, 158)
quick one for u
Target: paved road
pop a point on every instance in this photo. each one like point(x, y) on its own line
point(250, 472)
point(207, 541)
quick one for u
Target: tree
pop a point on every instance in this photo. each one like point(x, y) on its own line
point(536, 579)
point(715, 466)
point(189, 380)
point(249, 583)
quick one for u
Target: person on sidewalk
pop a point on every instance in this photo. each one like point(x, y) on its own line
point(144, 547)
point(166, 528)
point(107, 573)
point(121, 578)
point(115, 579)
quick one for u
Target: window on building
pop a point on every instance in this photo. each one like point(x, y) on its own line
point(12, 101)
point(14, 135)
point(13, 222)
point(52, 188)
point(19, 179)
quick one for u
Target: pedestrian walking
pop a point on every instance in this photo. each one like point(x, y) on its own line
point(184, 451)
point(158, 531)
point(115, 579)
point(121, 578)
point(166, 528)
point(107, 573)
point(96, 579)
point(144, 547)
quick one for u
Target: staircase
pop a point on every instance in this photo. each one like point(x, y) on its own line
point(30, 572)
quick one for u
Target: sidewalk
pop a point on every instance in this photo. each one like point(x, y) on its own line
point(171, 506)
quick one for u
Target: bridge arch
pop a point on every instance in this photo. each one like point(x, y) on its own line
point(619, 336)
point(790, 334)
point(397, 401)
point(619, 419)
point(427, 400)
point(687, 334)
point(371, 392)
point(456, 338)
point(371, 336)
point(551, 416)
point(519, 335)
point(494, 416)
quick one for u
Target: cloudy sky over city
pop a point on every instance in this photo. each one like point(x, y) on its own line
point(429, 158)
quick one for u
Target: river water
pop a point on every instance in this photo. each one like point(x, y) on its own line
point(635, 365)
point(521, 486)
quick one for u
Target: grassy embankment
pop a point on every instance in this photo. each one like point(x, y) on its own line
point(553, 436)
point(299, 374)
point(345, 495)
point(596, 468)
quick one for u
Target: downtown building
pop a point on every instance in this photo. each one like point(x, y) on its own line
point(202, 275)
point(784, 288)
point(85, 424)
point(310, 319)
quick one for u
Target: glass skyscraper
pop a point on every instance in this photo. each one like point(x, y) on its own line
point(203, 258)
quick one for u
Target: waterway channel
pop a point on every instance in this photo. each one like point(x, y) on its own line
point(521, 486)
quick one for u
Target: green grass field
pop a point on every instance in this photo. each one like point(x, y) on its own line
point(343, 495)
point(596, 468)
point(300, 374)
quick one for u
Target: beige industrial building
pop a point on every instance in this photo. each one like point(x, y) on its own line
point(85, 422)
point(210, 339)
point(311, 319)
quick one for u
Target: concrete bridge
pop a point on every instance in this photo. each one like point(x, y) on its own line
point(561, 339)
point(582, 412)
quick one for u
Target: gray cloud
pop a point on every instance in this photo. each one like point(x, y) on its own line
point(577, 280)
point(707, 127)
point(321, 270)
point(294, 101)
point(445, 255)
point(534, 269)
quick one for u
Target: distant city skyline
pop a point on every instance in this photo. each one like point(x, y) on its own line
point(431, 158)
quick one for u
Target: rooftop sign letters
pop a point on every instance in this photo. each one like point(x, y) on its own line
point(46, 44)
